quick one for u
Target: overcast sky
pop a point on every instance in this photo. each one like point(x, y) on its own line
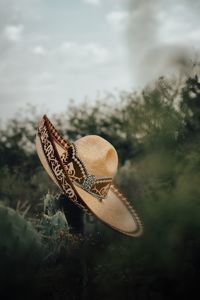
point(53, 51)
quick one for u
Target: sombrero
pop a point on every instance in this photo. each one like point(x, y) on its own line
point(84, 171)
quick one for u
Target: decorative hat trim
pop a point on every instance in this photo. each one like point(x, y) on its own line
point(79, 175)
point(55, 165)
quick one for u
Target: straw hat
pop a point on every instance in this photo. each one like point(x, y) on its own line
point(84, 170)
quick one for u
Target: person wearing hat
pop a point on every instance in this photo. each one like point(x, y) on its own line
point(84, 172)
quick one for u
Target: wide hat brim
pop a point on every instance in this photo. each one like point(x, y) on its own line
point(114, 210)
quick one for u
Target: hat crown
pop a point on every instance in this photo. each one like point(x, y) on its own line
point(98, 155)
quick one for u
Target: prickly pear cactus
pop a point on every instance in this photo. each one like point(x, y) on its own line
point(20, 247)
point(53, 226)
point(51, 204)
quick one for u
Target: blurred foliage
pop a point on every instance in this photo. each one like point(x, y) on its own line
point(156, 134)
point(21, 250)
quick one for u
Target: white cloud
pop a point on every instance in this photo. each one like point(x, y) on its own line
point(118, 19)
point(67, 46)
point(39, 50)
point(195, 35)
point(85, 54)
point(93, 2)
point(14, 32)
point(98, 53)
point(42, 69)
